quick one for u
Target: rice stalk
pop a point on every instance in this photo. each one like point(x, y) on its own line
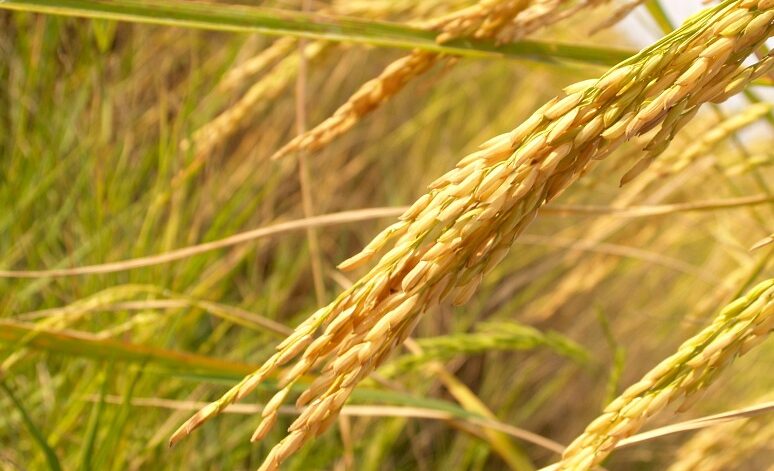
point(464, 226)
point(735, 415)
point(763, 242)
point(343, 217)
point(726, 446)
point(740, 326)
point(304, 174)
point(323, 220)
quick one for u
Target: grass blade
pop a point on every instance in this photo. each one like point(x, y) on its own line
point(276, 22)
point(95, 418)
point(82, 344)
point(37, 435)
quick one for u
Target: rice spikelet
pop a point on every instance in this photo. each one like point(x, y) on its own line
point(617, 15)
point(442, 247)
point(709, 140)
point(740, 326)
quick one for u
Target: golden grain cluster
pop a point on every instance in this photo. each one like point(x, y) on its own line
point(451, 237)
point(500, 20)
point(739, 327)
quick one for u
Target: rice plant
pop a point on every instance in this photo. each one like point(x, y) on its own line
point(241, 236)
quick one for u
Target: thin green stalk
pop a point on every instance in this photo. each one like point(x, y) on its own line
point(85, 345)
point(659, 15)
point(87, 450)
point(248, 19)
point(37, 435)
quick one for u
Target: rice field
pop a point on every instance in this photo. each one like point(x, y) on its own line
point(386, 235)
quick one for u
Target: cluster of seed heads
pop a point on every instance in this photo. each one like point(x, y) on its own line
point(502, 20)
point(281, 66)
point(444, 244)
point(739, 327)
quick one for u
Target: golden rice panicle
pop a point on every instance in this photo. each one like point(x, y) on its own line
point(284, 67)
point(480, 20)
point(543, 13)
point(503, 20)
point(367, 98)
point(442, 247)
point(739, 327)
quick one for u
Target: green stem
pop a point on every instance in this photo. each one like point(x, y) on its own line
point(247, 19)
point(659, 16)
point(37, 435)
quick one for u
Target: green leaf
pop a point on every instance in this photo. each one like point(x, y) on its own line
point(37, 435)
point(490, 336)
point(104, 34)
point(656, 10)
point(82, 344)
point(248, 19)
point(95, 418)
